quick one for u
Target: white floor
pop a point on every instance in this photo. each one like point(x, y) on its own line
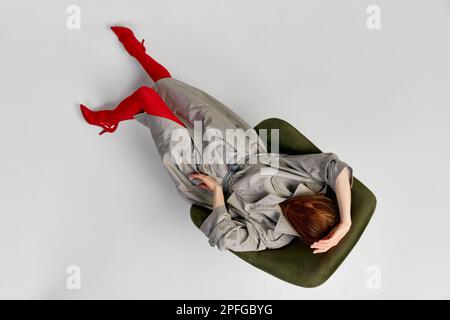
point(377, 98)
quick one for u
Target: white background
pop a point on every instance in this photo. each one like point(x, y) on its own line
point(378, 98)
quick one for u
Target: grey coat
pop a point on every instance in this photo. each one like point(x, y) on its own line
point(252, 219)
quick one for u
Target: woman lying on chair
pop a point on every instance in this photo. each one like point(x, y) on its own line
point(267, 204)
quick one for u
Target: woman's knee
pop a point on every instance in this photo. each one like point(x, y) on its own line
point(145, 91)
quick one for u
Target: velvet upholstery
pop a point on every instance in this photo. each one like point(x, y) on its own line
point(295, 263)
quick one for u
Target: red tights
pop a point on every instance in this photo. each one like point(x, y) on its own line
point(144, 99)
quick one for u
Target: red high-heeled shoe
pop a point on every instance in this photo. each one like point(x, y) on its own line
point(128, 39)
point(102, 118)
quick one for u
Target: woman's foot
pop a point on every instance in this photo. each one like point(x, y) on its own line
point(128, 39)
point(137, 50)
point(103, 118)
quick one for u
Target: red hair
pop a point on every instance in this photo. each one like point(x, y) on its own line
point(312, 217)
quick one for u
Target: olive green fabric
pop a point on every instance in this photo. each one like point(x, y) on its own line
point(295, 263)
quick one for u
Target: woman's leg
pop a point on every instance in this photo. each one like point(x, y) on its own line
point(144, 99)
point(137, 50)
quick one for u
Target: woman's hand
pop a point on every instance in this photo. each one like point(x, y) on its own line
point(332, 239)
point(208, 183)
point(344, 198)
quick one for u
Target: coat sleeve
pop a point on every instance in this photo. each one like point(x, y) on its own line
point(230, 234)
point(324, 167)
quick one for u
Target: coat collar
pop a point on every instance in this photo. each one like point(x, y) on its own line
point(283, 226)
point(271, 200)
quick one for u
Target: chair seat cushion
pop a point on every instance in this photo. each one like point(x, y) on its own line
point(295, 263)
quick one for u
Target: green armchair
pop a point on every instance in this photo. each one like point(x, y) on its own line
point(295, 263)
